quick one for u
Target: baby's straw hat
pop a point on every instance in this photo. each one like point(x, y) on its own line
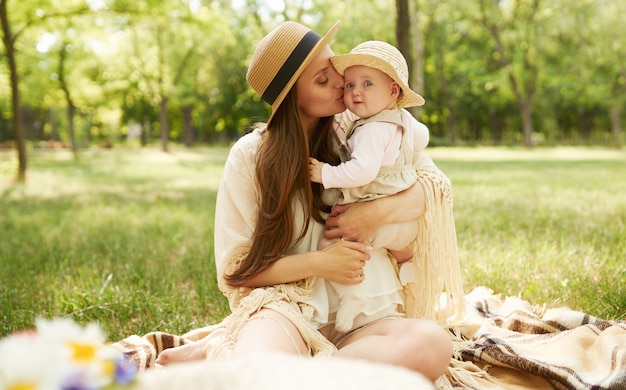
point(386, 58)
point(281, 57)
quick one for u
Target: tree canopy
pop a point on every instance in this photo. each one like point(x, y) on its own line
point(81, 72)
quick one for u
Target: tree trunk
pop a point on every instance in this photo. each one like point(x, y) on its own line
point(188, 133)
point(495, 127)
point(54, 128)
point(527, 121)
point(416, 69)
point(4, 131)
point(403, 29)
point(524, 91)
point(403, 39)
point(9, 45)
point(165, 132)
point(145, 128)
point(448, 112)
point(71, 108)
point(615, 113)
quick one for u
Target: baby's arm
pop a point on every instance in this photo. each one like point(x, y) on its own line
point(367, 145)
point(315, 170)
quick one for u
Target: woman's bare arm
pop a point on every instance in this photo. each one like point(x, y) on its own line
point(340, 262)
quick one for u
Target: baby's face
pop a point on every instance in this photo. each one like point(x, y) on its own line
point(368, 91)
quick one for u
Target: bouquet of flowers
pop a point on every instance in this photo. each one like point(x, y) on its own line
point(61, 355)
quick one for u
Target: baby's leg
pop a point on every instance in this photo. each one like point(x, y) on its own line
point(352, 300)
point(398, 238)
point(403, 255)
point(324, 242)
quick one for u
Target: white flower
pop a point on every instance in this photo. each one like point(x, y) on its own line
point(92, 363)
point(65, 330)
point(27, 362)
point(60, 354)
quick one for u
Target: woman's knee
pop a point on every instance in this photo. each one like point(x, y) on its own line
point(427, 347)
point(269, 331)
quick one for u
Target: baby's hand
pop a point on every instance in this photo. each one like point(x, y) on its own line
point(315, 170)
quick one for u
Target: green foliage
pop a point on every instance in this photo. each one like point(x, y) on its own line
point(482, 61)
point(125, 236)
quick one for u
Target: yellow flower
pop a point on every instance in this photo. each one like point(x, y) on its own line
point(22, 386)
point(108, 367)
point(61, 354)
point(82, 352)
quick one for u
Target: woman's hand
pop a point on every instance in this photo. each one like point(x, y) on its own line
point(353, 222)
point(359, 221)
point(343, 262)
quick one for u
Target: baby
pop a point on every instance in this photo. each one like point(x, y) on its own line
point(379, 150)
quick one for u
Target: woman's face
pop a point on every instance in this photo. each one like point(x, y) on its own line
point(320, 90)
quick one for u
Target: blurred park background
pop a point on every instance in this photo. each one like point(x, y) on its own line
point(77, 73)
point(116, 117)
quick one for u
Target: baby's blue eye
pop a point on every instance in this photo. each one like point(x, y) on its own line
point(368, 83)
point(349, 85)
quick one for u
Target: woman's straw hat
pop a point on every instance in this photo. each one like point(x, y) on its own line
point(386, 58)
point(281, 57)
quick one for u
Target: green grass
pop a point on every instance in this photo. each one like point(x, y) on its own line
point(124, 236)
point(547, 225)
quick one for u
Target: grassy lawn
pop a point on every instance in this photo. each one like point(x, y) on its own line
point(124, 236)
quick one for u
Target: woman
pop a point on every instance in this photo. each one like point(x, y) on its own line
point(269, 219)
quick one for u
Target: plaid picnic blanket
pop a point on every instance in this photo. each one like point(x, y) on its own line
point(503, 343)
point(520, 346)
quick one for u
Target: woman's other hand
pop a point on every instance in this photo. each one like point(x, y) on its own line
point(359, 221)
point(343, 262)
point(354, 222)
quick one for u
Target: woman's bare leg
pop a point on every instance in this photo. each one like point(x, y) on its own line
point(265, 331)
point(419, 345)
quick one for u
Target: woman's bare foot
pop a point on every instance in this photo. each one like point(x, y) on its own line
point(184, 353)
point(189, 352)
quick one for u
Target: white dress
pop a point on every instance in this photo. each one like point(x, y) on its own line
point(235, 219)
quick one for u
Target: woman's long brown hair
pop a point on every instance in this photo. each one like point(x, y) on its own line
point(282, 179)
